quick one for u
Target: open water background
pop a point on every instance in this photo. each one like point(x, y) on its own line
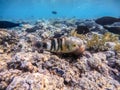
point(37, 9)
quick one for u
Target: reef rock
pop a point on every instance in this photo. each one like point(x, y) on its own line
point(115, 30)
point(7, 76)
point(32, 63)
point(33, 29)
point(82, 30)
point(107, 20)
point(95, 81)
point(8, 24)
point(4, 58)
point(8, 40)
point(36, 81)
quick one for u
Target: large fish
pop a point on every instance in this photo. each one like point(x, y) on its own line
point(62, 45)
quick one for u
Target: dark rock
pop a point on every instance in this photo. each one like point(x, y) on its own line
point(107, 20)
point(115, 30)
point(82, 29)
point(8, 24)
point(58, 71)
point(116, 24)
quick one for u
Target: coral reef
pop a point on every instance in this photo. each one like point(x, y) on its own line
point(24, 67)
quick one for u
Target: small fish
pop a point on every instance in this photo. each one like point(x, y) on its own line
point(62, 45)
point(54, 12)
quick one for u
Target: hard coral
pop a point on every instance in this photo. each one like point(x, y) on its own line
point(7, 40)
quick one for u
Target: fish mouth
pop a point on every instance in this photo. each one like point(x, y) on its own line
point(79, 50)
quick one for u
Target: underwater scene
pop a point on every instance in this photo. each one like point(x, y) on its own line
point(59, 44)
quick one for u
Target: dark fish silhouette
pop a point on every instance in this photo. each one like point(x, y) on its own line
point(107, 20)
point(54, 12)
point(8, 24)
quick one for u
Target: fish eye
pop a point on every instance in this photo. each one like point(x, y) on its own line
point(74, 45)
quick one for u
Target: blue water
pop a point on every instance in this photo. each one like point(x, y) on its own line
point(37, 9)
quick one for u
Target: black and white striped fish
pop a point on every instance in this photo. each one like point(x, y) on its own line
point(62, 45)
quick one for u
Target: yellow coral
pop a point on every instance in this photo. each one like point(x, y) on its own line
point(81, 36)
point(117, 47)
point(109, 37)
point(97, 42)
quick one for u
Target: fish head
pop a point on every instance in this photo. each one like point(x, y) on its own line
point(74, 44)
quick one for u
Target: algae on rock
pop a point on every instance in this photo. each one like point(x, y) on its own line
point(98, 43)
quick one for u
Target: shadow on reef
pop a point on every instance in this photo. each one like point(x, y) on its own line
point(70, 57)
